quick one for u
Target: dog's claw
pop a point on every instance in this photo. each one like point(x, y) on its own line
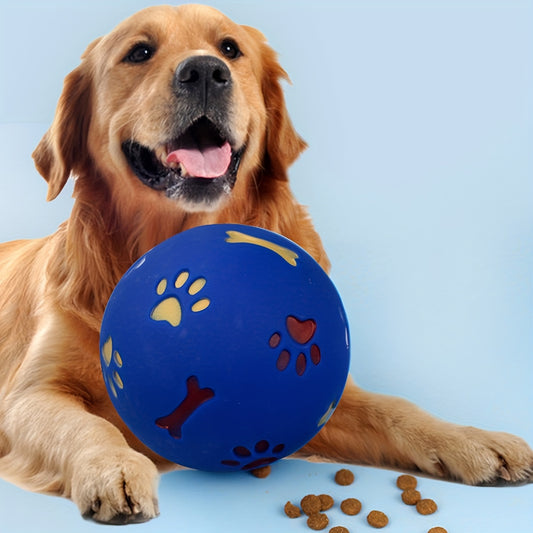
point(504, 473)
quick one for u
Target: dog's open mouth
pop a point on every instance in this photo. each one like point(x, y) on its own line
point(199, 166)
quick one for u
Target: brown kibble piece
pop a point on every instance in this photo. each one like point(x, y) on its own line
point(405, 482)
point(327, 501)
point(338, 529)
point(344, 477)
point(311, 504)
point(292, 511)
point(351, 506)
point(318, 521)
point(262, 472)
point(411, 497)
point(426, 506)
point(437, 530)
point(377, 519)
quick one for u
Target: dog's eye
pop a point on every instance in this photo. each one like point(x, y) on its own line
point(139, 53)
point(230, 49)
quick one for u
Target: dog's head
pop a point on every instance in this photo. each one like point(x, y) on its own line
point(177, 103)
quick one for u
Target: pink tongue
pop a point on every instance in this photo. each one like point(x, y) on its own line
point(210, 162)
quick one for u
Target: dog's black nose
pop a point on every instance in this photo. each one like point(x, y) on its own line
point(202, 77)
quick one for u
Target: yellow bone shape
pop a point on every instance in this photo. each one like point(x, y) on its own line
point(236, 237)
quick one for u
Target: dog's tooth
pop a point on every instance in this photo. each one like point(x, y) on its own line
point(183, 171)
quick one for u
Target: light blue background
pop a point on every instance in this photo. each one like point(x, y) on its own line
point(419, 176)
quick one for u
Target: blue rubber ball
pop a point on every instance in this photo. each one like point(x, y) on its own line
point(225, 347)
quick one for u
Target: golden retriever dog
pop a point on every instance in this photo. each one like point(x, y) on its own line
point(174, 119)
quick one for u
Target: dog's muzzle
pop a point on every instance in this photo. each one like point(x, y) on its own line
point(199, 163)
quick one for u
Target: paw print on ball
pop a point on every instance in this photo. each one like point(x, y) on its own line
point(302, 333)
point(170, 309)
point(261, 455)
point(112, 364)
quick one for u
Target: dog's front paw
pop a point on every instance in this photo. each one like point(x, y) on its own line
point(116, 487)
point(480, 457)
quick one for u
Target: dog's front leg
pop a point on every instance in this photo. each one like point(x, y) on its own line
point(55, 445)
point(374, 429)
point(50, 438)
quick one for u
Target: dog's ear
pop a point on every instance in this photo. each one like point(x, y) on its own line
point(63, 149)
point(283, 144)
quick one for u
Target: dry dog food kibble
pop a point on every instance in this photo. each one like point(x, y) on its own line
point(426, 506)
point(411, 496)
point(344, 477)
point(377, 519)
point(311, 504)
point(327, 501)
point(318, 521)
point(351, 506)
point(262, 472)
point(292, 511)
point(314, 506)
point(405, 482)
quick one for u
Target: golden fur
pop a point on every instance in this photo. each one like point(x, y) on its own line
point(58, 430)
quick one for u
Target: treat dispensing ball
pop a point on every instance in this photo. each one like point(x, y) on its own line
point(225, 348)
